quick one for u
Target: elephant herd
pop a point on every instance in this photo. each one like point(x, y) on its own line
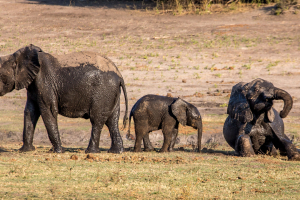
point(88, 85)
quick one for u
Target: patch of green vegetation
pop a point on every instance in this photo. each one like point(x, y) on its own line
point(247, 66)
point(218, 75)
point(197, 76)
point(224, 105)
point(272, 64)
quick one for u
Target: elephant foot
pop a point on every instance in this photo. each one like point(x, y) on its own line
point(244, 148)
point(163, 151)
point(116, 150)
point(273, 152)
point(137, 150)
point(295, 157)
point(148, 149)
point(57, 150)
point(25, 148)
point(93, 150)
point(246, 154)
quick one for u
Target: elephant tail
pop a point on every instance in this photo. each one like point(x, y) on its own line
point(126, 104)
point(128, 132)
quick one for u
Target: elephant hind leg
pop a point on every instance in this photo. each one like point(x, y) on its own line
point(286, 147)
point(113, 126)
point(147, 143)
point(173, 141)
point(138, 143)
point(141, 131)
point(268, 149)
point(244, 146)
point(95, 138)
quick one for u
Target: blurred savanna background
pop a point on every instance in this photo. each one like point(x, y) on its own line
point(196, 50)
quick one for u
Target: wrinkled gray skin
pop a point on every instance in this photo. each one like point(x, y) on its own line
point(253, 126)
point(82, 91)
point(153, 112)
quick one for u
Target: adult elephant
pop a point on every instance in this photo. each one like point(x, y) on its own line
point(153, 112)
point(78, 85)
point(253, 125)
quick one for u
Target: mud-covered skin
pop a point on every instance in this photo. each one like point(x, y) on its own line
point(153, 112)
point(89, 90)
point(253, 125)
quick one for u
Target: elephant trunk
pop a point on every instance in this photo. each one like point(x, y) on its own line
point(199, 128)
point(287, 99)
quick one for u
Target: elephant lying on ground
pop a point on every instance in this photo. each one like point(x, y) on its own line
point(153, 112)
point(253, 125)
point(78, 85)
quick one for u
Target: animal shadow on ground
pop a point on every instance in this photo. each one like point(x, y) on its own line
point(70, 149)
point(204, 150)
point(268, 9)
point(218, 152)
point(3, 150)
point(115, 4)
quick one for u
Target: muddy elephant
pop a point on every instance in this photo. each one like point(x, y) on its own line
point(153, 112)
point(253, 125)
point(77, 85)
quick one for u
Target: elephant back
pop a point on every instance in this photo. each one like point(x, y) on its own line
point(4, 58)
point(84, 58)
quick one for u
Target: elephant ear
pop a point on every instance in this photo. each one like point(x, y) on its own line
point(238, 107)
point(27, 67)
point(179, 110)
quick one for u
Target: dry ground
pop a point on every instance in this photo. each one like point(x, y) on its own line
point(196, 57)
point(155, 53)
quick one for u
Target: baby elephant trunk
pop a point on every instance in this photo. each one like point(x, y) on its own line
point(287, 99)
point(199, 128)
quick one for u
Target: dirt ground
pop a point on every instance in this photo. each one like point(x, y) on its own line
point(196, 57)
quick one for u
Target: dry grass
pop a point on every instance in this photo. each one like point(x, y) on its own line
point(161, 60)
point(178, 175)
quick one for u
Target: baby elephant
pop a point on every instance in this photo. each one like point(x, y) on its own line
point(253, 125)
point(153, 112)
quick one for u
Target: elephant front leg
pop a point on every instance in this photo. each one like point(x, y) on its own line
point(50, 121)
point(167, 140)
point(31, 116)
point(244, 146)
point(147, 144)
point(173, 141)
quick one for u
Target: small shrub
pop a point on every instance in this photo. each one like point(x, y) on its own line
point(286, 4)
point(283, 5)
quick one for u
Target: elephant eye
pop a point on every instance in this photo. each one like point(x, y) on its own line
point(4, 78)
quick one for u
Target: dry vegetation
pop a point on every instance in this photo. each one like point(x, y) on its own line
point(180, 175)
point(177, 51)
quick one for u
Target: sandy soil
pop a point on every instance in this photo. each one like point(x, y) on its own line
point(196, 57)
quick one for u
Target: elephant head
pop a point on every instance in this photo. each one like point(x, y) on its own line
point(19, 69)
point(188, 114)
point(251, 99)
